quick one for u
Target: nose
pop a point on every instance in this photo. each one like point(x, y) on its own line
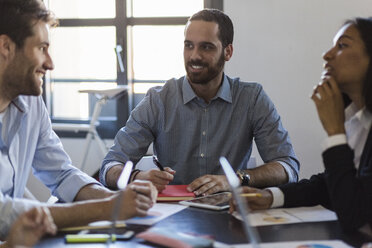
point(48, 64)
point(328, 55)
point(195, 54)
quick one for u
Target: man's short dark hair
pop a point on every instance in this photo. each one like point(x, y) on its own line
point(225, 25)
point(17, 18)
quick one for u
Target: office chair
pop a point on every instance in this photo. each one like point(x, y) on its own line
point(91, 128)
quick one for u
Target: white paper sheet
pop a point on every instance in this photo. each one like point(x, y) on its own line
point(312, 214)
point(279, 216)
point(155, 214)
point(291, 244)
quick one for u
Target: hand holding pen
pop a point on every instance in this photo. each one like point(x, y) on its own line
point(257, 198)
point(160, 178)
point(157, 163)
point(161, 167)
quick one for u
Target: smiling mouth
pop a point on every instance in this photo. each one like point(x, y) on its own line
point(197, 67)
point(40, 74)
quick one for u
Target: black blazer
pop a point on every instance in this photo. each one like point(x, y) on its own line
point(340, 188)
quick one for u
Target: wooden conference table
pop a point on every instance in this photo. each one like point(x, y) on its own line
point(225, 228)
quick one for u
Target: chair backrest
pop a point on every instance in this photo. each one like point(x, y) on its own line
point(29, 195)
point(252, 162)
point(146, 163)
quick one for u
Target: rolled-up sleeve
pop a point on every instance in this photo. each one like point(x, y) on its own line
point(292, 173)
point(272, 139)
point(105, 169)
point(53, 166)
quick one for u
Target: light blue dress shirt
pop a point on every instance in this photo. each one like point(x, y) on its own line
point(29, 143)
point(190, 135)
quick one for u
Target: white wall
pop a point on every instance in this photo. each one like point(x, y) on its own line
point(279, 43)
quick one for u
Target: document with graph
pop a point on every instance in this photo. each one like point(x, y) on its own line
point(278, 216)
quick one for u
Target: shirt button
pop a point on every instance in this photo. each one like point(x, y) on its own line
point(202, 155)
point(204, 133)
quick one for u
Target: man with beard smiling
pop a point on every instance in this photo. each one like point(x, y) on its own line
point(27, 141)
point(195, 119)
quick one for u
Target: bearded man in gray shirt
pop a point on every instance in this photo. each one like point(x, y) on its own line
point(195, 119)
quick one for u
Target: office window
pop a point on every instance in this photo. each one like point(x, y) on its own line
point(83, 8)
point(90, 63)
point(153, 62)
point(149, 35)
point(163, 8)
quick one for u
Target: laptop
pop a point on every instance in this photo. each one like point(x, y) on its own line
point(250, 232)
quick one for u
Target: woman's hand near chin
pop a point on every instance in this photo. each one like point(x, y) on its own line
point(330, 106)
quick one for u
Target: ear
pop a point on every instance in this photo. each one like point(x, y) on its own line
point(228, 52)
point(7, 46)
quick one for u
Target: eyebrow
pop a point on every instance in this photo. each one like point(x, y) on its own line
point(345, 36)
point(45, 43)
point(201, 43)
point(207, 43)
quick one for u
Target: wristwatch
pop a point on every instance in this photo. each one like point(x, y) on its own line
point(244, 177)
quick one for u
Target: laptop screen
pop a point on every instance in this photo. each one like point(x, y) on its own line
point(250, 232)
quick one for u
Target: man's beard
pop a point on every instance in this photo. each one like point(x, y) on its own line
point(17, 81)
point(205, 77)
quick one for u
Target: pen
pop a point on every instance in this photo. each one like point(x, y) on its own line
point(157, 163)
point(251, 195)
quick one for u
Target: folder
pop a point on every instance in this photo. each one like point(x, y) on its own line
point(170, 238)
point(173, 193)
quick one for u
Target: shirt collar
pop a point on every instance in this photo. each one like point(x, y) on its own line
point(2, 115)
point(224, 92)
point(362, 115)
point(20, 104)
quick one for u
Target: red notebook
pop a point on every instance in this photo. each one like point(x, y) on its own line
point(175, 193)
